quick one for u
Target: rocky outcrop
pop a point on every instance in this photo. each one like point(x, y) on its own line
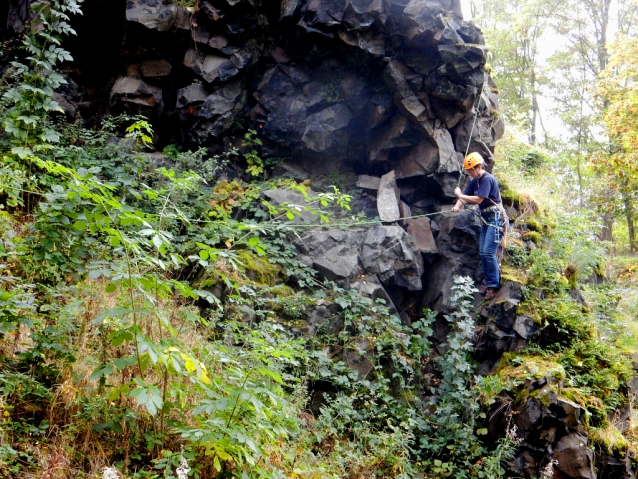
point(15, 15)
point(364, 86)
point(388, 198)
point(394, 91)
point(386, 254)
point(550, 430)
point(456, 237)
point(506, 330)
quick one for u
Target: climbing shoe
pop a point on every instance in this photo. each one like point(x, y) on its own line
point(490, 293)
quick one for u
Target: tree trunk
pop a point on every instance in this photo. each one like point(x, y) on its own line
point(607, 232)
point(532, 126)
point(629, 216)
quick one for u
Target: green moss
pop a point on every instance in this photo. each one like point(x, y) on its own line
point(549, 222)
point(533, 236)
point(284, 302)
point(521, 396)
point(280, 291)
point(593, 406)
point(534, 225)
point(510, 197)
point(542, 395)
point(541, 222)
point(258, 268)
point(525, 367)
point(513, 274)
point(609, 438)
point(600, 269)
point(251, 270)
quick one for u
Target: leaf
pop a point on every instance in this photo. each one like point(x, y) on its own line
point(111, 313)
point(122, 390)
point(121, 363)
point(95, 273)
point(223, 454)
point(110, 288)
point(28, 119)
point(157, 241)
point(80, 225)
point(104, 371)
point(149, 397)
point(22, 152)
point(272, 374)
point(204, 378)
point(117, 338)
point(189, 364)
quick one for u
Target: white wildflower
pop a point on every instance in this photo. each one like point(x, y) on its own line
point(510, 431)
point(548, 470)
point(111, 473)
point(182, 470)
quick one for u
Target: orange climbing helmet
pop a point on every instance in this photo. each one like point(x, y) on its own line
point(472, 160)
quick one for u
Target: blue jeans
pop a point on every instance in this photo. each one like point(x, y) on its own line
point(489, 240)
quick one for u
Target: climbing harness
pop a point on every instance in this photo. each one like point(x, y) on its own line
point(501, 224)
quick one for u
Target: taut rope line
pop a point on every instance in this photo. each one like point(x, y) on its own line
point(469, 140)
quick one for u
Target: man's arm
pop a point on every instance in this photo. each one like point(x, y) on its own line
point(457, 206)
point(471, 199)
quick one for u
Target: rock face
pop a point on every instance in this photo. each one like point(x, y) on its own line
point(369, 86)
point(386, 89)
point(505, 329)
point(385, 254)
point(15, 17)
point(394, 91)
point(456, 239)
point(551, 432)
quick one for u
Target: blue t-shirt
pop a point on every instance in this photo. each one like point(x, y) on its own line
point(486, 187)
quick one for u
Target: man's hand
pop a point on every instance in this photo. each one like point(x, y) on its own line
point(457, 192)
point(456, 209)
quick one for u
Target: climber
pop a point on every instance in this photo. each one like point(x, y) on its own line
point(483, 191)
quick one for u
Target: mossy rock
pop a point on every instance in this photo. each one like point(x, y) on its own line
point(593, 406)
point(510, 197)
point(534, 225)
point(528, 367)
point(541, 222)
point(543, 395)
point(523, 202)
point(533, 236)
point(610, 439)
point(250, 270)
point(511, 274)
point(285, 303)
point(259, 269)
point(530, 309)
point(600, 269)
point(549, 222)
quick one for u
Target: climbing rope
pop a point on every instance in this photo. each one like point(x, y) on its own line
point(469, 141)
point(329, 225)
